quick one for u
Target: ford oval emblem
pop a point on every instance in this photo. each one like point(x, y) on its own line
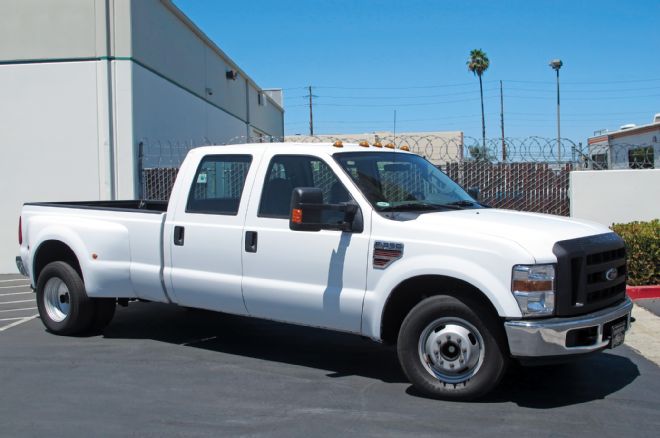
point(611, 274)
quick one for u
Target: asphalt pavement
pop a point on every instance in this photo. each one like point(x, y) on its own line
point(160, 370)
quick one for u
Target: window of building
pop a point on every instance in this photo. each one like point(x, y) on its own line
point(218, 184)
point(641, 158)
point(286, 172)
point(599, 161)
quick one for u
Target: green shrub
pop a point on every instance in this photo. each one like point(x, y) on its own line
point(643, 249)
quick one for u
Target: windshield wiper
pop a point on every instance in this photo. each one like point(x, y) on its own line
point(460, 204)
point(419, 206)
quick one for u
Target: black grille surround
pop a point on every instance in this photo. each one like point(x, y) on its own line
point(583, 265)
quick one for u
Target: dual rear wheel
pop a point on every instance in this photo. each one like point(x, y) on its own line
point(65, 308)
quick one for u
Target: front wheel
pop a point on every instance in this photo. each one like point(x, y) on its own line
point(450, 350)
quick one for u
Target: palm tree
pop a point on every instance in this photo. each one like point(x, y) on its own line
point(478, 64)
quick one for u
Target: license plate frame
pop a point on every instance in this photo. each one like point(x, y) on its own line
point(617, 334)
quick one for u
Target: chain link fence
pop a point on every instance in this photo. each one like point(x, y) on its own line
point(526, 174)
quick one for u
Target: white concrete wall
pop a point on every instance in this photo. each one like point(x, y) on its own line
point(166, 117)
point(49, 141)
point(615, 196)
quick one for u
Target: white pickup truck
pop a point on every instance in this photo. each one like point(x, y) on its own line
point(364, 239)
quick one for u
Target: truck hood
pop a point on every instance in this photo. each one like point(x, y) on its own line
point(537, 233)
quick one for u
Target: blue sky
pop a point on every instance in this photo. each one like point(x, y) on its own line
point(367, 58)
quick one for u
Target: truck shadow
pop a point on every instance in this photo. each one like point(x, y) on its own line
point(543, 387)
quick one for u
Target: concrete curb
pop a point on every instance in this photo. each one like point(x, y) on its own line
point(643, 292)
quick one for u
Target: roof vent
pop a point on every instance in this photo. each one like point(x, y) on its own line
point(628, 126)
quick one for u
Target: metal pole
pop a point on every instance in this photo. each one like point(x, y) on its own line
point(502, 122)
point(311, 113)
point(558, 124)
point(394, 127)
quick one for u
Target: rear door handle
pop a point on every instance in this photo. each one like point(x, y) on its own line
point(250, 241)
point(179, 235)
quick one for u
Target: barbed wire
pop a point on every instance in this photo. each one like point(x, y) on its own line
point(528, 174)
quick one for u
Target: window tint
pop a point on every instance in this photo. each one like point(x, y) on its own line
point(218, 184)
point(287, 172)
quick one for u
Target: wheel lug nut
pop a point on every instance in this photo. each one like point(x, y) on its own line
point(459, 340)
point(465, 350)
point(460, 360)
point(451, 365)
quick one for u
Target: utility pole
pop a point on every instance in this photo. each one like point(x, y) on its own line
point(311, 112)
point(502, 122)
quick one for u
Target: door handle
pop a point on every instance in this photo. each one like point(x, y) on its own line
point(179, 235)
point(250, 241)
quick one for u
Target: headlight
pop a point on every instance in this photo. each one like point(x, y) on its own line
point(533, 286)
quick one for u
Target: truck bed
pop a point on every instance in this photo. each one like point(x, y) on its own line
point(137, 205)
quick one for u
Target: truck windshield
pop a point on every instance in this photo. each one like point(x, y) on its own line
point(394, 181)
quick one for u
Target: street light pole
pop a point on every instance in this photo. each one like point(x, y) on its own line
point(556, 65)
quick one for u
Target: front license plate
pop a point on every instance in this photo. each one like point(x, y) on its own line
point(618, 334)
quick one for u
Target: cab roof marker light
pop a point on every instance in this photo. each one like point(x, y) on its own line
point(338, 144)
point(405, 148)
point(364, 144)
point(390, 146)
point(378, 145)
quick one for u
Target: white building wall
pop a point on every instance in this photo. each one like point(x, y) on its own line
point(49, 139)
point(619, 147)
point(615, 196)
point(166, 117)
point(83, 82)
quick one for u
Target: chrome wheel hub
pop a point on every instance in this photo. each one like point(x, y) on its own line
point(56, 299)
point(451, 349)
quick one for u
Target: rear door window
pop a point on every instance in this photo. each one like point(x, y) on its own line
point(218, 184)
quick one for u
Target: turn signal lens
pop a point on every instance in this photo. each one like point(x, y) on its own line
point(296, 216)
point(533, 287)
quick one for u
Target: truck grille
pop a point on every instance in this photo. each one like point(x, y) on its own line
point(591, 273)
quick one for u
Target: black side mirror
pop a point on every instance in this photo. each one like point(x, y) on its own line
point(473, 192)
point(307, 207)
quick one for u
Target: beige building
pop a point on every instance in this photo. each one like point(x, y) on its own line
point(438, 147)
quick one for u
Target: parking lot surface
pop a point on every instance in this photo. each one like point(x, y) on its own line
point(17, 304)
point(161, 370)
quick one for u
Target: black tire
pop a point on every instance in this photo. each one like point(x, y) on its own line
point(104, 311)
point(437, 319)
point(79, 310)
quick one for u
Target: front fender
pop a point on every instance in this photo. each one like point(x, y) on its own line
point(494, 288)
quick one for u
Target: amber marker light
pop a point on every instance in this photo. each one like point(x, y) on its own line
point(296, 216)
point(378, 144)
point(405, 148)
point(389, 146)
point(364, 144)
point(338, 144)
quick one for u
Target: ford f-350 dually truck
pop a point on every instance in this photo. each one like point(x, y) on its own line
point(364, 239)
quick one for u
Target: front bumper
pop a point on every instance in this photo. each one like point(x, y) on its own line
point(553, 337)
